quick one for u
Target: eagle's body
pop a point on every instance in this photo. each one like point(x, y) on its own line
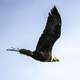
point(50, 34)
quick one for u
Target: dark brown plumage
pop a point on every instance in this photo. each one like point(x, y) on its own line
point(50, 34)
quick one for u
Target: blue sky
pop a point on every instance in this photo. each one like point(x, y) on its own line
point(21, 24)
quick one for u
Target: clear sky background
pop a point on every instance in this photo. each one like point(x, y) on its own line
point(21, 24)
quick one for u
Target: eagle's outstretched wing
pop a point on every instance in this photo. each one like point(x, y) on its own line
point(51, 32)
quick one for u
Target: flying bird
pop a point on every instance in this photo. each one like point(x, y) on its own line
point(51, 33)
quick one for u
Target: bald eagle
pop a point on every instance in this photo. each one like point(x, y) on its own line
point(50, 34)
